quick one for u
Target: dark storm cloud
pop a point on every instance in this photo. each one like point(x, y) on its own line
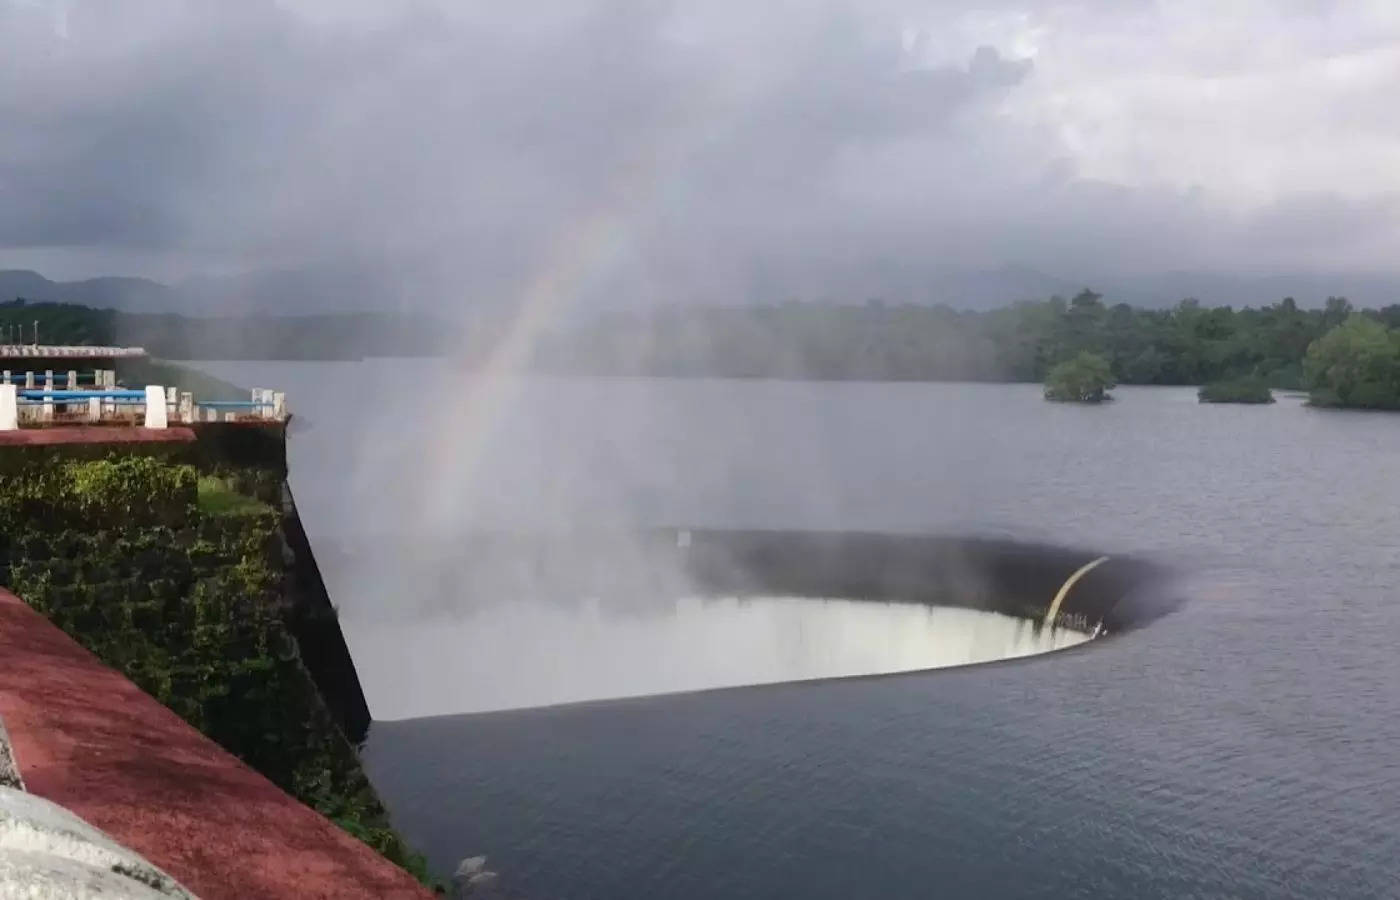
point(797, 148)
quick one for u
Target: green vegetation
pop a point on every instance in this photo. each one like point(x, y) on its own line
point(218, 497)
point(161, 574)
point(1236, 390)
point(1224, 348)
point(1185, 344)
point(1341, 356)
point(348, 335)
point(1356, 364)
point(1084, 379)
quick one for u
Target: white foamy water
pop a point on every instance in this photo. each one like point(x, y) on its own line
point(522, 655)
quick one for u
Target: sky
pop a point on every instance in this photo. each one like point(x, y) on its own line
point(710, 151)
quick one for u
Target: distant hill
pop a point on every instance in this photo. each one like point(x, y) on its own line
point(314, 289)
point(360, 287)
point(1309, 289)
point(323, 336)
point(292, 291)
point(109, 292)
point(973, 288)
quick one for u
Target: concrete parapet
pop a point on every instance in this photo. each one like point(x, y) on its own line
point(60, 398)
point(88, 739)
point(46, 851)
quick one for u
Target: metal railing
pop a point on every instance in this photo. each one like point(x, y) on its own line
point(154, 406)
point(68, 351)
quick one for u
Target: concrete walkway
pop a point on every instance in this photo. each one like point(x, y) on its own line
point(88, 739)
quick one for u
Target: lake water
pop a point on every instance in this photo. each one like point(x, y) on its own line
point(1245, 746)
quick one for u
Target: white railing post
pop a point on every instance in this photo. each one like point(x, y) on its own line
point(9, 407)
point(109, 383)
point(186, 413)
point(94, 409)
point(48, 401)
point(155, 407)
point(72, 379)
point(279, 405)
point(172, 403)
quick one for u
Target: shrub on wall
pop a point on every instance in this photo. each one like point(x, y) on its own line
point(189, 606)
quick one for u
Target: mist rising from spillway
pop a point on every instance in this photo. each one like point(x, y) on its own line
point(510, 656)
point(586, 487)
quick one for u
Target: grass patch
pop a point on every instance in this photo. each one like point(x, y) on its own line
point(1239, 390)
point(217, 497)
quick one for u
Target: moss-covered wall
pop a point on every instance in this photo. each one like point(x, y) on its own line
point(128, 552)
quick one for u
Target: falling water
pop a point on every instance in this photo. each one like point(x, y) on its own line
point(514, 655)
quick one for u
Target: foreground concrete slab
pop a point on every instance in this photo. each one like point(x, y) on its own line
point(89, 740)
point(46, 851)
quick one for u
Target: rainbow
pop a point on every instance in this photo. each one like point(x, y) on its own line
point(587, 249)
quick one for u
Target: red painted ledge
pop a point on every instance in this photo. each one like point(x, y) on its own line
point(94, 434)
point(88, 739)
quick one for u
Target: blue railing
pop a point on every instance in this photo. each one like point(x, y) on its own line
point(121, 401)
point(60, 399)
point(233, 404)
point(58, 378)
point(60, 396)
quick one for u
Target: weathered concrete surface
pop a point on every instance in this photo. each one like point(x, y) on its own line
point(94, 434)
point(91, 741)
point(9, 769)
point(46, 851)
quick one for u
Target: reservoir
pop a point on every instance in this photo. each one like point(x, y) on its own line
point(1243, 746)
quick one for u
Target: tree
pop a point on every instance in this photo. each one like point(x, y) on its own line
point(1336, 311)
point(1084, 379)
point(1357, 364)
point(1238, 390)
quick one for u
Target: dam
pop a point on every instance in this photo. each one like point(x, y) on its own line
point(508, 620)
point(173, 669)
point(799, 596)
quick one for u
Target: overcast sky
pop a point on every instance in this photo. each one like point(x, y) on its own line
point(698, 150)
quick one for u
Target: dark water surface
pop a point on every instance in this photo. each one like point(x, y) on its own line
point(1246, 746)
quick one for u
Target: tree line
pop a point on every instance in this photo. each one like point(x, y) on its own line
point(349, 335)
point(1343, 356)
point(1185, 344)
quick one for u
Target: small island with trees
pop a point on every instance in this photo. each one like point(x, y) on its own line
point(1247, 389)
point(1355, 365)
point(1084, 379)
